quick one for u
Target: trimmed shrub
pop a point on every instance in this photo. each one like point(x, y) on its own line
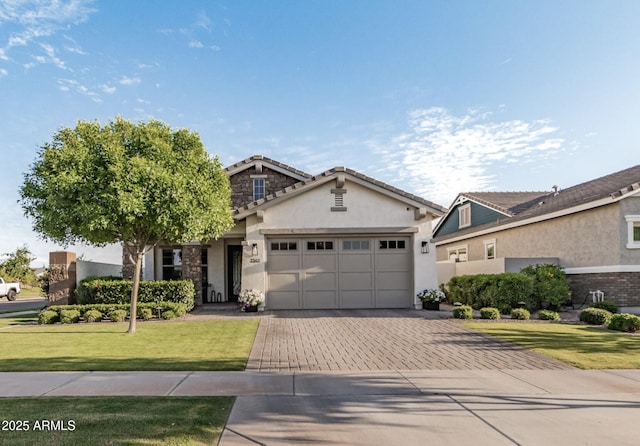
point(463, 312)
point(489, 313)
point(548, 315)
point(117, 315)
point(145, 313)
point(595, 316)
point(117, 291)
point(169, 314)
point(605, 305)
point(624, 322)
point(48, 317)
point(92, 316)
point(520, 314)
point(70, 316)
point(550, 285)
point(502, 291)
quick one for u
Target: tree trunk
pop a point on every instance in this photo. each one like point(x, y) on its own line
point(134, 292)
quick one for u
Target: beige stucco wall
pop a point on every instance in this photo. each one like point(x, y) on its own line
point(629, 206)
point(589, 238)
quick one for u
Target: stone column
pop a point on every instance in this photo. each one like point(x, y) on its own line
point(62, 277)
point(192, 267)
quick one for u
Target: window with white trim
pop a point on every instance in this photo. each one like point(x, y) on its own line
point(633, 231)
point(464, 216)
point(258, 189)
point(457, 254)
point(490, 249)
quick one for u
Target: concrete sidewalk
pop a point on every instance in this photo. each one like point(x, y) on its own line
point(444, 407)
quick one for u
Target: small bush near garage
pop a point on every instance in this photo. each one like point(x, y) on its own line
point(463, 312)
point(167, 315)
point(550, 285)
point(69, 316)
point(92, 316)
point(624, 322)
point(595, 316)
point(48, 317)
point(605, 305)
point(548, 315)
point(521, 314)
point(489, 313)
point(502, 291)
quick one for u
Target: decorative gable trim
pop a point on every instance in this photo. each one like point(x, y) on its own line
point(259, 162)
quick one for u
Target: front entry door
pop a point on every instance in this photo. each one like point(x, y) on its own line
point(234, 272)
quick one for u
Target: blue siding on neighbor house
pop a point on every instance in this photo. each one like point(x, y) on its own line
point(479, 215)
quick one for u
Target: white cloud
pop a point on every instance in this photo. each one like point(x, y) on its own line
point(442, 154)
point(130, 80)
point(108, 89)
point(3, 72)
point(196, 44)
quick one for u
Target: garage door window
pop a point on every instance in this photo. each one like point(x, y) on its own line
point(320, 246)
point(355, 245)
point(284, 246)
point(391, 244)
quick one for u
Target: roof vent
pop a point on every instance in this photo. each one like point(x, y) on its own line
point(556, 190)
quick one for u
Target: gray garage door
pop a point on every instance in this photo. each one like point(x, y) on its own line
point(339, 272)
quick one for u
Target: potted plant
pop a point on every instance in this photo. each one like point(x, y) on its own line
point(250, 299)
point(431, 299)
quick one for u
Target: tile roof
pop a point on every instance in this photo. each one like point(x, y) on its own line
point(248, 162)
point(509, 203)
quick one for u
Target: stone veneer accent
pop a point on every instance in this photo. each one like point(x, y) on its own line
point(192, 267)
point(621, 288)
point(62, 277)
point(242, 184)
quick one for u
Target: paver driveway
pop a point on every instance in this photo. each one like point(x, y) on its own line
point(363, 340)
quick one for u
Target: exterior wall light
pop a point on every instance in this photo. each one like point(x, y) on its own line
point(254, 249)
point(424, 249)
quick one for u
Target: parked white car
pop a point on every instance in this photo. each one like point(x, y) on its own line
point(10, 290)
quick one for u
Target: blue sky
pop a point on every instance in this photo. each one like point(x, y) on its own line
point(433, 97)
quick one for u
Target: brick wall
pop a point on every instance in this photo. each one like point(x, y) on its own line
point(621, 288)
point(242, 184)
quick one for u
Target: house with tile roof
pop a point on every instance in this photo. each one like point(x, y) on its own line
point(591, 229)
point(338, 239)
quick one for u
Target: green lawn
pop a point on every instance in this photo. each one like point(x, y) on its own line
point(168, 345)
point(579, 345)
point(114, 420)
point(30, 292)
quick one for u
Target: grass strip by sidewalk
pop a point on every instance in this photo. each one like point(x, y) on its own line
point(216, 345)
point(113, 420)
point(579, 345)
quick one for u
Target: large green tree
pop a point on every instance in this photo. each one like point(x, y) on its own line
point(136, 184)
point(16, 266)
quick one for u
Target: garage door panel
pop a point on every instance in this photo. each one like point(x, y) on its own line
point(393, 262)
point(284, 300)
point(392, 280)
point(320, 281)
point(357, 299)
point(316, 300)
point(284, 263)
point(392, 299)
point(356, 262)
point(356, 281)
point(284, 281)
point(319, 262)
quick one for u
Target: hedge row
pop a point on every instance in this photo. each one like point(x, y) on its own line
point(114, 290)
point(620, 322)
point(466, 312)
point(536, 286)
point(69, 314)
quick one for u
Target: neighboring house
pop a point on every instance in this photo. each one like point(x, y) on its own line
point(339, 239)
point(592, 230)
